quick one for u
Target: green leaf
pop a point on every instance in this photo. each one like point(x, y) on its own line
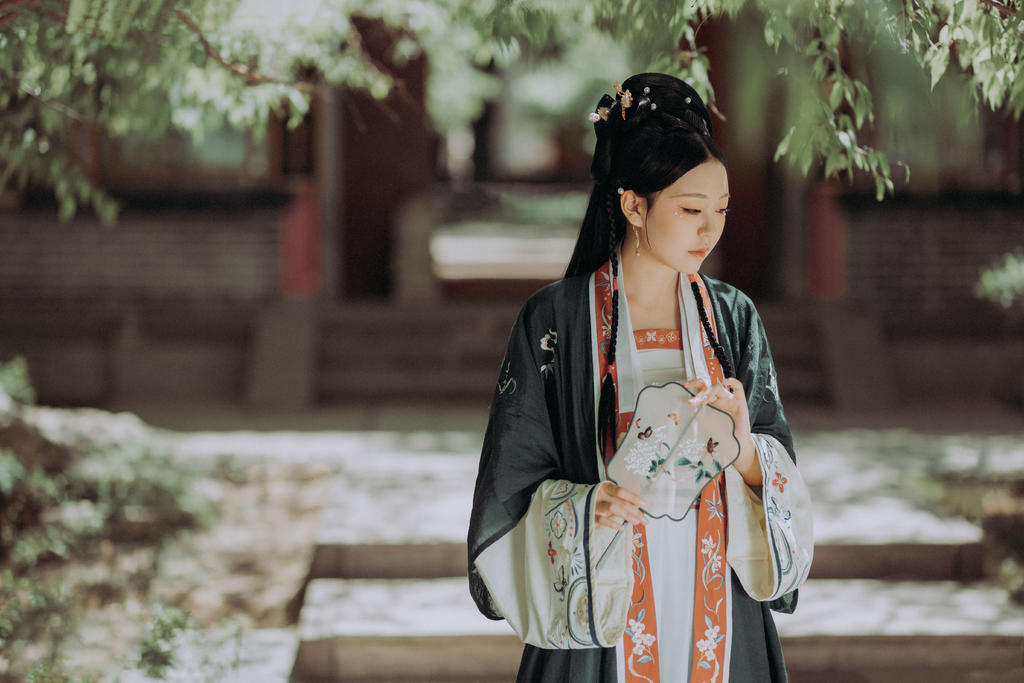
point(76, 13)
point(67, 206)
point(835, 96)
point(783, 147)
point(834, 162)
point(938, 60)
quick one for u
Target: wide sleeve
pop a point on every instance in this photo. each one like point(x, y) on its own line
point(771, 536)
point(549, 576)
point(533, 547)
point(774, 530)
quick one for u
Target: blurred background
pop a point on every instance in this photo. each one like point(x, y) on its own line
point(289, 237)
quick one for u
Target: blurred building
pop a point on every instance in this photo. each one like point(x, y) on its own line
point(361, 255)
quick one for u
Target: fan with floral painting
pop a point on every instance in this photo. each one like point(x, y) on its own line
point(672, 450)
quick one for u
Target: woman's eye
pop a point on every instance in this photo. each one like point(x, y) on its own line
point(692, 212)
point(724, 211)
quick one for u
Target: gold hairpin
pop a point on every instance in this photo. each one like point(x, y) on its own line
point(625, 98)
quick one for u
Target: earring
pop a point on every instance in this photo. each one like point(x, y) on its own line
point(636, 245)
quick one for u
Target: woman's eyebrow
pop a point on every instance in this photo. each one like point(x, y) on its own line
point(695, 194)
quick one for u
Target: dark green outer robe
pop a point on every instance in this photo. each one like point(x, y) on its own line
point(542, 426)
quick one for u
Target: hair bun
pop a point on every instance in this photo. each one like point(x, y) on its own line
point(697, 121)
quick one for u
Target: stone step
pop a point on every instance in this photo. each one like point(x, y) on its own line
point(352, 630)
point(434, 355)
point(481, 329)
point(457, 350)
point(375, 316)
point(862, 528)
point(408, 375)
point(373, 382)
point(894, 561)
point(803, 383)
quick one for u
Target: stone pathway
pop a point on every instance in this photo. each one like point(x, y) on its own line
point(262, 656)
point(391, 601)
point(864, 482)
point(361, 628)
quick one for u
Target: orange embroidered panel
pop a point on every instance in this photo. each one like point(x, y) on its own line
point(658, 339)
point(710, 603)
point(640, 639)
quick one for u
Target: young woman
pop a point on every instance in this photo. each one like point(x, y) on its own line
point(685, 600)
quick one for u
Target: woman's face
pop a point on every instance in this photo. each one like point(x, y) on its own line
point(685, 220)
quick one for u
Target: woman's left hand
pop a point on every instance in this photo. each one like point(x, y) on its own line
point(730, 397)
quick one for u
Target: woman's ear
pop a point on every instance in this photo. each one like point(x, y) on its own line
point(634, 208)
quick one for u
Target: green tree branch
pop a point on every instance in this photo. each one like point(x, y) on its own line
point(141, 67)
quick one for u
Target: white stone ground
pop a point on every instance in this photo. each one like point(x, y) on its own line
point(417, 466)
point(442, 607)
point(865, 483)
point(262, 656)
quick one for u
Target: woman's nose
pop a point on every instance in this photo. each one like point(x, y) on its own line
point(705, 222)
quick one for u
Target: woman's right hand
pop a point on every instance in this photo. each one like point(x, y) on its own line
point(615, 505)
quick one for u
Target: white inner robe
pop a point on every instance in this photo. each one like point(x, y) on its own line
point(671, 548)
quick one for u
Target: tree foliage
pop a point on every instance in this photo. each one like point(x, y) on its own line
point(72, 68)
point(1002, 283)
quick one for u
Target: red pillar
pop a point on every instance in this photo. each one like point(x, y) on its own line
point(826, 244)
point(300, 245)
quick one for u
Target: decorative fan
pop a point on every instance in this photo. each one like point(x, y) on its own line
point(672, 450)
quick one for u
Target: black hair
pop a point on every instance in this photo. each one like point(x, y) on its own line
point(665, 132)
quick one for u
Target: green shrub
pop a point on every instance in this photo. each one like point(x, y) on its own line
point(32, 614)
point(134, 493)
point(1002, 283)
point(25, 495)
point(156, 651)
point(14, 380)
point(131, 494)
point(173, 647)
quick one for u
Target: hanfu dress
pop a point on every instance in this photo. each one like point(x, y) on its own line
point(683, 600)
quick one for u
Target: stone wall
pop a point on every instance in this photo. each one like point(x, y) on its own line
point(185, 255)
point(915, 262)
point(159, 305)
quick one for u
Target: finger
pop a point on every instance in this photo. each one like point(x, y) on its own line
point(696, 385)
point(630, 513)
point(617, 523)
point(610, 514)
point(611, 523)
point(735, 385)
point(702, 397)
point(721, 394)
point(719, 391)
point(613, 491)
point(630, 497)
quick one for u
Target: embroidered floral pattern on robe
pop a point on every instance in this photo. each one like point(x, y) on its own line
point(711, 601)
point(567, 562)
point(658, 339)
point(781, 497)
point(642, 650)
point(711, 605)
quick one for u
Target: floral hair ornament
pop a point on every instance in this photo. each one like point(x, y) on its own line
point(625, 98)
point(603, 107)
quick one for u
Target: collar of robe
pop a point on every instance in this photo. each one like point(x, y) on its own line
point(629, 373)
